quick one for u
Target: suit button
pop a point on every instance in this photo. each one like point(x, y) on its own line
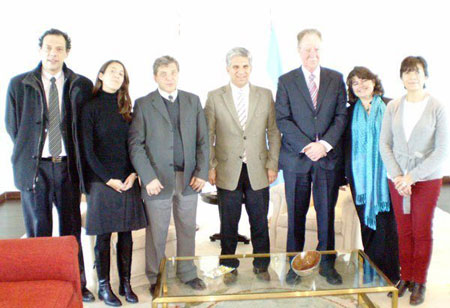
point(38, 122)
point(34, 156)
point(171, 165)
point(245, 137)
point(315, 118)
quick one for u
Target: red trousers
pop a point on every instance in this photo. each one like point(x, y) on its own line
point(415, 239)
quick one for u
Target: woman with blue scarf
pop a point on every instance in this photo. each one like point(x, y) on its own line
point(366, 173)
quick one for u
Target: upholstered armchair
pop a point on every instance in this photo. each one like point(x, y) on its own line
point(346, 225)
point(40, 272)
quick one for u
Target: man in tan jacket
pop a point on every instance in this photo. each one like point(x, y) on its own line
point(244, 149)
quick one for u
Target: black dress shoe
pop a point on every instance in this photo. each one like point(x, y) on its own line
point(231, 277)
point(332, 276)
point(402, 286)
point(292, 278)
point(418, 294)
point(87, 295)
point(196, 284)
point(262, 274)
point(152, 289)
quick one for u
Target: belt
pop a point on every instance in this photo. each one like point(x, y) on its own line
point(57, 159)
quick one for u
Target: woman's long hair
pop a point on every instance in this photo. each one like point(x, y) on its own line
point(123, 96)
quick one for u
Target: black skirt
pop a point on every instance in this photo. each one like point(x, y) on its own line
point(110, 211)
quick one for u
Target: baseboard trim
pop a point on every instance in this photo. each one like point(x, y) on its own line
point(9, 195)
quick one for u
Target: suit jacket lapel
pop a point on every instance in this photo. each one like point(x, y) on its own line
point(324, 83)
point(303, 87)
point(252, 102)
point(159, 104)
point(229, 103)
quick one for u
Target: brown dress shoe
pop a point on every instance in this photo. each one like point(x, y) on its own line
point(231, 277)
point(418, 294)
point(402, 286)
point(262, 274)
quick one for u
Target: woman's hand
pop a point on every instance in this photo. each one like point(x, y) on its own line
point(403, 185)
point(129, 181)
point(116, 184)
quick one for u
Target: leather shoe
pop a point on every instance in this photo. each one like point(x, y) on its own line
point(332, 276)
point(418, 294)
point(231, 277)
point(292, 278)
point(402, 286)
point(196, 284)
point(152, 289)
point(87, 295)
point(262, 274)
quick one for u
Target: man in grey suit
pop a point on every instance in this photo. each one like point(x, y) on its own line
point(241, 119)
point(168, 144)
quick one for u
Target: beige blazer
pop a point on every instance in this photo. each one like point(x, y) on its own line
point(260, 140)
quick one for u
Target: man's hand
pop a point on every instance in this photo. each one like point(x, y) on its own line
point(116, 184)
point(129, 181)
point(271, 175)
point(197, 183)
point(212, 176)
point(315, 151)
point(154, 187)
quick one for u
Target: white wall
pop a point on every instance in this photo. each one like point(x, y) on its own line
point(376, 34)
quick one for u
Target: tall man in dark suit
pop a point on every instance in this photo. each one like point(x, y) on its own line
point(311, 115)
point(42, 109)
point(168, 144)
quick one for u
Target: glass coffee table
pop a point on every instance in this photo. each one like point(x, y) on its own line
point(360, 278)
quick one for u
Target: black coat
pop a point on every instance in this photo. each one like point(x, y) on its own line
point(27, 121)
point(300, 124)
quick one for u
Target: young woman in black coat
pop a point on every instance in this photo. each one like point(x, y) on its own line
point(366, 173)
point(114, 203)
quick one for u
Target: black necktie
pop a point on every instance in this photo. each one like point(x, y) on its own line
point(54, 130)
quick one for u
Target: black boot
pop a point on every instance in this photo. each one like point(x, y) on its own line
point(102, 261)
point(85, 293)
point(124, 252)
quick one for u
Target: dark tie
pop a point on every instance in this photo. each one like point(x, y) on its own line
point(171, 98)
point(313, 90)
point(54, 130)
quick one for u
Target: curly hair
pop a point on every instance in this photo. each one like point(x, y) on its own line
point(123, 97)
point(363, 73)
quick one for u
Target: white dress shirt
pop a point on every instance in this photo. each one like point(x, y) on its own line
point(166, 95)
point(307, 75)
point(45, 76)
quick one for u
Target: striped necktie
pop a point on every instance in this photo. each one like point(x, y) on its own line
point(54, 129)
point(313, 90)
point(241, 108)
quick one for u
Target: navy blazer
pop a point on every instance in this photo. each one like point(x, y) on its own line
point(300, 124)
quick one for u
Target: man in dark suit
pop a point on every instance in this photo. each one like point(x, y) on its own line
point(42, 109)
point(169, 148)
point(311, 115)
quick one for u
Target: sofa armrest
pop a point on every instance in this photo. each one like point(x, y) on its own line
point(42, 258)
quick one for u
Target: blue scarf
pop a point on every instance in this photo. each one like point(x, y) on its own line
point(369, 173)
